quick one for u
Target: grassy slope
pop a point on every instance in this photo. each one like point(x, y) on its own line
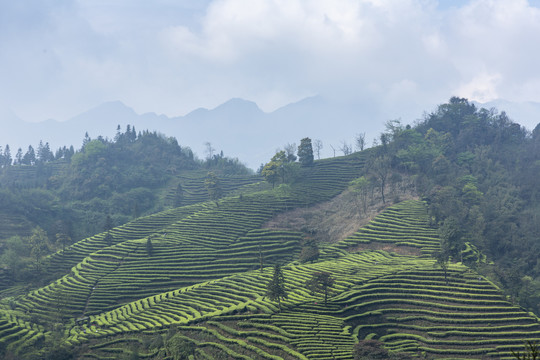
point(203, 276)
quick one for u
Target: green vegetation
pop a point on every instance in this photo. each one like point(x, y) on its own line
point(199, 276)
point(75, 194)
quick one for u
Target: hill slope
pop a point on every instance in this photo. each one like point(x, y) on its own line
point(200, 285)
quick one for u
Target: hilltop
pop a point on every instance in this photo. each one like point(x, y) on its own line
point(443, 262)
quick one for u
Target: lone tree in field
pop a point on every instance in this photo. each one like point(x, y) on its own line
point(321, 282)
point(275, 290)
point(149, 246)
point(213, 186)
point(305, 152)
point(443, 257)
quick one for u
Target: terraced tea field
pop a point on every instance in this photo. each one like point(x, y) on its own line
point(203, 282)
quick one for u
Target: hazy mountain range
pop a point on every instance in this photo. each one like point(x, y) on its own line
point(238, 127)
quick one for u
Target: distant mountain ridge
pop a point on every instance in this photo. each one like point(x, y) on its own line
point(238, 127)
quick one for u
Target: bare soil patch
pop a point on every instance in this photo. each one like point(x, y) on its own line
point(335, 220)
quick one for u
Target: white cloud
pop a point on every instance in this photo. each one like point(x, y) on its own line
point(60, 58)
point(482, 88)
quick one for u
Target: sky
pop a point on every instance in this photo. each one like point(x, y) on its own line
point(59, 58)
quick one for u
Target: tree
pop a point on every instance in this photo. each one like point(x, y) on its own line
point(345, 148)
point(19, 157)
point(278, 167)
point(86, 139)
point(209, 150)
point(60, 303)
point(360, 188)
point(451, 237)
point(380, 168)
point(321, 282)
point(532, 352)
point(275, 289)
point(317, 146)
point(179, 347)
point(270, 172)
point(360, 141)
point(310, 251)
point(62, 239)
point(7, 156)
point(213, 186)
point(107, 227)
point(178, 196)
point(261, 258)
point(290, 152)
point(39, 245)
point(370, 350)
point(44, 153)
point(29, 157)
point(443, 258)
point(149, 246)
point(305, 152)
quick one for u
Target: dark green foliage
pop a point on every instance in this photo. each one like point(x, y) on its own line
point(481, 191)
point(305, 152)
point(39, 245)
point(178, 196)
point(149, 246)
point(370, 349)
point(478, 170)
point(178, 347)
point(321, 282)
point(275, 289)
point(309, 252)
point(442, 256)
point(280, 167)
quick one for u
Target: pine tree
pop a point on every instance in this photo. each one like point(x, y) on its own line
point(19, 157)
point(7, 156)
point(275, 290)
point(30, 157)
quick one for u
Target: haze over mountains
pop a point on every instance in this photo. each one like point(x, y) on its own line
point(252, 134)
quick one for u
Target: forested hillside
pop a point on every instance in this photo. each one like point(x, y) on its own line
point(196, 260)
point(52, 200)
point(479, 173)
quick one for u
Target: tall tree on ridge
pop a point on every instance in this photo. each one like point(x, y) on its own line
point(305, 152)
